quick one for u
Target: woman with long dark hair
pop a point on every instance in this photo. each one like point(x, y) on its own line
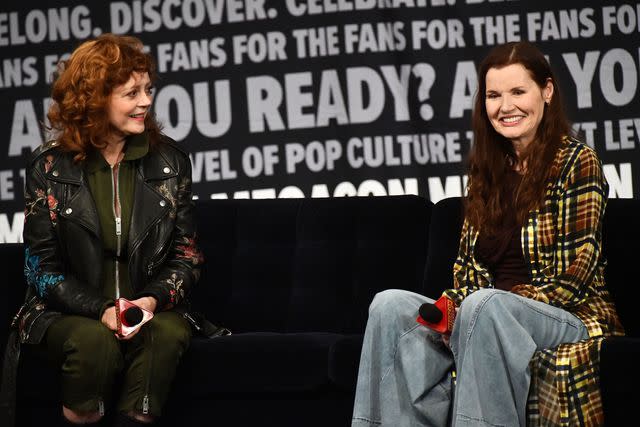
point(528, 279)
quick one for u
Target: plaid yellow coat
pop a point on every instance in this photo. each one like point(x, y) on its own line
point(561, 244)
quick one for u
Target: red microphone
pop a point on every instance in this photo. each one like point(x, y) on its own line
point(130, 317)
point(438, 316)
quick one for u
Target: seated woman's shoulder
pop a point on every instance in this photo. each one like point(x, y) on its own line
point(170, 146)
point(575, 158)
point(173, 153)
point(573, 147)
point(573, 141)
point(46, 152)
point(44, 147)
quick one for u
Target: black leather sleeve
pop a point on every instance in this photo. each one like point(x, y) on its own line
point(181, 269)
point(73, 297)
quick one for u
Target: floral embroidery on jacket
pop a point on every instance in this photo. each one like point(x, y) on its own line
point(42, 197)
point(30, 204)
point(189, 251)
point(176, 293)
point(52, 202)
point(41, 282)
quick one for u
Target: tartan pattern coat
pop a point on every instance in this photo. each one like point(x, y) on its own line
point(561, 244)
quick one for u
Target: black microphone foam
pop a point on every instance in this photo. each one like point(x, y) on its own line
point(430, 313)
point(132, 316)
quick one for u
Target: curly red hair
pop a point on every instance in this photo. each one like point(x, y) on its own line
point(82, 88)
point(492, 156)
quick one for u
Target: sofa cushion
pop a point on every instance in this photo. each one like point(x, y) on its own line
point(248, 261)
point(444, 238)
point(305, 265)
point(38, 379)
point(256, 362)
point(619, 378)
point(344, 360)
point(348, 250)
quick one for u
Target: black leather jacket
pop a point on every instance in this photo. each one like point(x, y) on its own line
point(63, 245)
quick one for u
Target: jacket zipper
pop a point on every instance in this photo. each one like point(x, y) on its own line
point(162, 259)
point(115, 189)
point(140, 239)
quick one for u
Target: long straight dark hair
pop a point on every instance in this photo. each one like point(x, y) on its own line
point(492, 156)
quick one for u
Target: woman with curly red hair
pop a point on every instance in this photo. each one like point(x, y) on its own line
point(108, 216)
point(528, 279)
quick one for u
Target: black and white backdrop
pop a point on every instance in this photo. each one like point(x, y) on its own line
point(326, 98)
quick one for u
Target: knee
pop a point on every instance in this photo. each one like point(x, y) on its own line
point(171, 332)
point(387, 302)
point(481, 305)
point(80, 418)
point(480, 300)
point(90, 339)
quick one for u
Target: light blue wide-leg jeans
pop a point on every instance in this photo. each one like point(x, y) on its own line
point(404, 376)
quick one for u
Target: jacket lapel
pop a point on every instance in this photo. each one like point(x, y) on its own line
point(149, 205)
point(80, 208)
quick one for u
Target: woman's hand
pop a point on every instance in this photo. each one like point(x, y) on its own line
point(446, 339)
point(109, 319)
point(109, 316)
point(148, 303)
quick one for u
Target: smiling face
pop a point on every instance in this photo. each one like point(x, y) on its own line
point(515, 103)
point(128, 106)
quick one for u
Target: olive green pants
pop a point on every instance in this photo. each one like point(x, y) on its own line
point(93, 362)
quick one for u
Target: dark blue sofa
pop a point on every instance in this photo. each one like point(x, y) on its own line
point(293, 279)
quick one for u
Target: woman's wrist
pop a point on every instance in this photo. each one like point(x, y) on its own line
point(148, 303)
